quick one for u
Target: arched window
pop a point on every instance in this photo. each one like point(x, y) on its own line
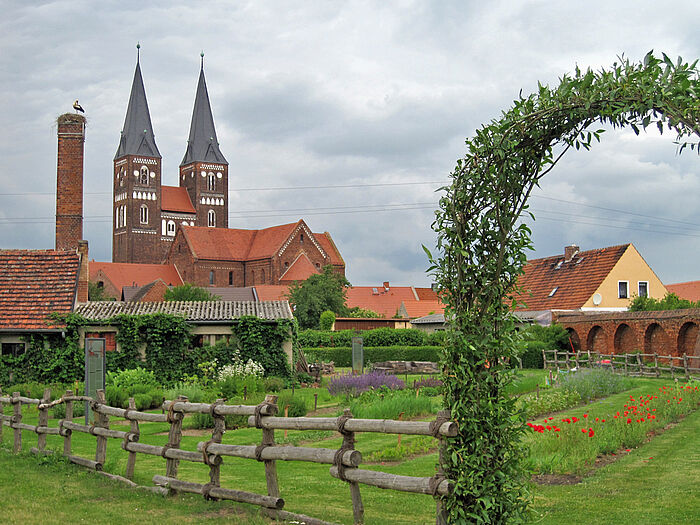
point(230, 278)
point(144, 176)
point(211, 186)
point(211, 277)
point(211, 219)
point(171, 228)
point(301, 238)
point(163, 228)
point(144, 214)
point(124, 216)
point(117, 215)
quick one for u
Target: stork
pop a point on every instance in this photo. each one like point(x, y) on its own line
point(77, 107)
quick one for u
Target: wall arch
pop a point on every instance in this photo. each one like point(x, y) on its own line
point(624, 340)
point(655, 340)
point(687, 342)
point(574, 338)
point(595, 341)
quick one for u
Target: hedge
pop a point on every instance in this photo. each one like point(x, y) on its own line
point(342, 356)
point(370, 338)
point(532, 356)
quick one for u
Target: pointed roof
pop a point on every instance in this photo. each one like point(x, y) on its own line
point(301, 269)
point(137, 135)
point(202, 144)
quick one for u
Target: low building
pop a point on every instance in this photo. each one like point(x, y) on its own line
point(114, 278)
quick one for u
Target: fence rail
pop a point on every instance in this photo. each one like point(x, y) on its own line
point(344, 461)
point(641, 365)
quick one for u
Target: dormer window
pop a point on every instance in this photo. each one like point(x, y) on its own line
point(554, 290)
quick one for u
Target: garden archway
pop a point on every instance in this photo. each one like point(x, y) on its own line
point(688, 339)
point(655, 340)
point(481, 244)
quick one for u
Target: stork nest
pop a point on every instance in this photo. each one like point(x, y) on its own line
point(71, 118)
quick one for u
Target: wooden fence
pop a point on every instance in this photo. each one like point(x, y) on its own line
point(646, 365)
point(344, 461)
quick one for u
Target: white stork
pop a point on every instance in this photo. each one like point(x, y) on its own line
point(78, 107)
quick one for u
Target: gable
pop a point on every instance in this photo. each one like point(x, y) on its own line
point(301, 269)
point(134, 274)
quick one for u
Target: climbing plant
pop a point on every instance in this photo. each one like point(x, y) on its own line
point(481, 243)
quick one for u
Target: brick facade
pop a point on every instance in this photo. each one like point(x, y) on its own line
point(69, 181)
point(672, 332)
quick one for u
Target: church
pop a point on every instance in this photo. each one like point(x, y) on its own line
point(187, 225)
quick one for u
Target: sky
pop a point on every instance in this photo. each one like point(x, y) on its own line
point(348, 114)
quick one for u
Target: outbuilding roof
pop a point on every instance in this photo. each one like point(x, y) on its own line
point(193, 311)
point(35, 284)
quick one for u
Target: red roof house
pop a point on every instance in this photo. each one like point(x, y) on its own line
point(689, 290)
point(114, 277)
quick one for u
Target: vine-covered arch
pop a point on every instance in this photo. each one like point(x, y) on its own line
point(481, 242)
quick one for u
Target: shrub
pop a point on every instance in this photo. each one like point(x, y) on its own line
point(342, 356)
point(548, 401)
point(142, 401)
point(236, 385)
point(394, 337)
point(273, 384)
point(194, 393)
point(438, 338)
point(116, 396)
point(59, 411)
point(354, 385)
point(592, 384)
point(297, 406)
point(132, 378)
point(326, 321)
point(389, 404)
point(532, 355)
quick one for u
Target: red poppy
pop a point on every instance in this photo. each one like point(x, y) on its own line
point(590, 433)
point(585, 415)
point(574, 419)
point(584, 430)
point(629, 420)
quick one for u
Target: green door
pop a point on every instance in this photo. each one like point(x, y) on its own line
point(94, 370)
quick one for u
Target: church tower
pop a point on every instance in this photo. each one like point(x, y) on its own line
point(137, 183)
point(204, 169)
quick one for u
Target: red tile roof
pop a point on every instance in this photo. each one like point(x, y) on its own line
point(689, 290)
point(385, 303)
point(175, 198)
point(271, 292)
point(576, 281)
point(132, 274)
point(268, 240)
point(426, 294)
point(326, 242)
point(415, 309)
point(300, 270)
point(34, 284)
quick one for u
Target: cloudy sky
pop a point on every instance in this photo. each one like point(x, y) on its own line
point(374, 97)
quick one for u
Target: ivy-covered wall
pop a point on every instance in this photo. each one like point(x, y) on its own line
point(159, 342)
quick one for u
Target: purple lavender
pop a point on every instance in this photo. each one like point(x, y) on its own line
point(431, 382)
point(354, 385)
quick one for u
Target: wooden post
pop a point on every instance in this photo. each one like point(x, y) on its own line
point(174, 438)
point(566, 356)
point(670, 361)
point(398, 439)
point(576, 358)
point(134, 428)
point(268, 439)
point(67, 431)
point(358, 509)
point(216, 435)
point(544, 360)
point(556, 359)
point(43, 420)
point(441, 513)
point(316, 399)
point(101, 420)
point(16, 420)
point(656, 364)
point(537, 391)
point(286, 414)
point(590, 365)
point(626, 355)
point(685, 366)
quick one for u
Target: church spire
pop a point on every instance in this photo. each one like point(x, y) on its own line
point(137, 136)
point(202, 145)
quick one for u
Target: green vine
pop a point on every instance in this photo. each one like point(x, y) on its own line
point(481, 253)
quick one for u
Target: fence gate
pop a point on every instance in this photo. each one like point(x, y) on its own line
point(94, 370)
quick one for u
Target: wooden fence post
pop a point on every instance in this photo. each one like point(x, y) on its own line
point(626, 355)
point(441, 513)
point(134, 429)
point(576, 358)
point(685, 366)
point(216, 436)
point(174, 436)
point(358, 509)
point(268, 440)
point(67, 431)
point(556, 360)
point(16, 420)
point(544, 359)
point(590, 365)
point(43, 420)
point(101, 420)
point(656, 364)
point(670, 361)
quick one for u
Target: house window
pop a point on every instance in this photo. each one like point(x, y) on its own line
point(301, 238)
point(623, 290)
point(144, 214)
point(211, 277)
point(144, 176)
point(13, 349)
point(211, 219)
point(643, 288)
point(230, 278)
point(211, 186)
point(171, 228)
point(286, 264)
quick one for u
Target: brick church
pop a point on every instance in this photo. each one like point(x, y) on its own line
point(187, 225)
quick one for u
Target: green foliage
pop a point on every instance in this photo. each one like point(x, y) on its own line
point(594, 384)
point(98, 293)
point(481, 243)
point(194, 393)
point(131, 378)
point(273, 384)
point(342, 356)
point(532, 354)
point(59, 411)
point(116, 396)
point(318, 293)
point(670, 302)
point(318, 338)
point(537, 338)
point(297, 405)
point(189, 292)
point(375, 337)
point(360, 313)
point(262, 341)
point(236, 385)
point(326, 321)
point(389, 404)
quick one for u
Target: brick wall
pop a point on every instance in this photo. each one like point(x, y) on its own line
point(672, 332)
point(69, 181)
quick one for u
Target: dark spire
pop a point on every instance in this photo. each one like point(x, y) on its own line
point(202, 145)
point(137, 136)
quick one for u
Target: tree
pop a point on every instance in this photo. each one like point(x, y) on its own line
point(326, 321)
point(481, 243)
point(361, 313)
point(189, 292)
point(670, 302)
point(97, 293)
point(320, 292)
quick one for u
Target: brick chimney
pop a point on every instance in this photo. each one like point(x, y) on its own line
point(386, 286)
point(83, 273)
point(569, 252)
point(69, 181)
